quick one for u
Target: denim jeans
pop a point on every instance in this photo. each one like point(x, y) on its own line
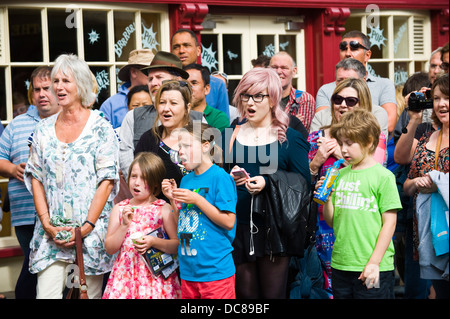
point(346, 285)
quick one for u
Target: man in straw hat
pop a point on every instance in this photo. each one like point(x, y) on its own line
point(115, 107)
point(165, 66)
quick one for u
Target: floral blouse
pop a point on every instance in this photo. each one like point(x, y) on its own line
point(70, 174)
point(422, 163)
point(423, 160)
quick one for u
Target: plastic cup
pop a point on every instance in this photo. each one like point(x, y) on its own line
point(136, 236)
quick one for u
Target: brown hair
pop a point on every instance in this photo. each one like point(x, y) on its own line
point(442, 83)
point(152, 168)
point(43, 72)
point(361, 88)
point(361, 126)
point(173, 85)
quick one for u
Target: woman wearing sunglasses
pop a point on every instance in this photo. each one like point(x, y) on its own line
point(349, 94)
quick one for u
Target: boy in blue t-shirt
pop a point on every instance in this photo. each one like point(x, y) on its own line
point(206, 222)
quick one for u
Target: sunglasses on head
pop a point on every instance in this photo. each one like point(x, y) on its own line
point(354, 45)
point(349, 101)
point(224, 75)
point(182, 83)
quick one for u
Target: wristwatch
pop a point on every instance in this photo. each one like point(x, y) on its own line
point(88, 222)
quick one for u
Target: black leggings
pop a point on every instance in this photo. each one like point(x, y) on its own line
point(262, 279)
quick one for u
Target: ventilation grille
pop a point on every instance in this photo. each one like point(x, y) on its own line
point(418, 36)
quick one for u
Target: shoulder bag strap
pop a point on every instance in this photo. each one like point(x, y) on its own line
point(438, 148)
point(80, 264)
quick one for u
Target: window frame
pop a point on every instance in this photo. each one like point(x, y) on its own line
point(413, 58)
point(111, 64)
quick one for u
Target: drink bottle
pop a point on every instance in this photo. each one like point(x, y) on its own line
point(324, 190)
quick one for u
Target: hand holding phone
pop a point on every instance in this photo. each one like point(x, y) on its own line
point(240, 173)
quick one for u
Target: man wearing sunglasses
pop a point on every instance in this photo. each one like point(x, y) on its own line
point(347, 68)
point(356, 45)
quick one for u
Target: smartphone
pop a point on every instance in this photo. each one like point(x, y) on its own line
point(241, 172)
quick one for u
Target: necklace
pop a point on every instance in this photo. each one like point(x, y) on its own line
point(255, 131)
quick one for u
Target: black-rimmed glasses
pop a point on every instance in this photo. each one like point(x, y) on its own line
point(349, 101)
point(257, 98)
point(354, 45)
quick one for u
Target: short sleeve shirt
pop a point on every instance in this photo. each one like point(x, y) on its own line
point(205, 248)
point(360, 199)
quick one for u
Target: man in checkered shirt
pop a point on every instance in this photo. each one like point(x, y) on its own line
point(295, 102)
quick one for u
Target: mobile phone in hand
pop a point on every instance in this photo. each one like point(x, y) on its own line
point(241, 172)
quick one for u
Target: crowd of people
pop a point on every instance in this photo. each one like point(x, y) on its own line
point(171, 154)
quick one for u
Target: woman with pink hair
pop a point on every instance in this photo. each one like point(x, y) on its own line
point(260, 145)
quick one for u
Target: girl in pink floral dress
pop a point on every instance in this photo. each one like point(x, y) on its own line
point(130, 278)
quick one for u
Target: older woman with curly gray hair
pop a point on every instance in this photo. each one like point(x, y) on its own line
point(73, 174)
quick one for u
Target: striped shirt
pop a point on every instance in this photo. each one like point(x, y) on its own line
point(304, 106)
point(14, 148)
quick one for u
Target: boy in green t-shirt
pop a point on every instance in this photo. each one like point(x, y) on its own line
point(363, 213)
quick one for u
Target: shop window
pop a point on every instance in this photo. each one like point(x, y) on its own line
point(102, 35)
point(95, 36)
point(25, 35)
point(124, 34)
point(209, 56)
point(61, 39)
point(102, 77)
point(287, 43)
point(400, 42)
point(20, 85)
point(266, 44)
point(230, 43)
point(232, 54)
point(150, 30)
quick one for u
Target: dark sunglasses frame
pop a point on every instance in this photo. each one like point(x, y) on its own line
point(354, 45)
point(444, 66)
point(349, 101)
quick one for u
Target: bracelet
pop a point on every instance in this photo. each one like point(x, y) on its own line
point(313, 173)
point(47, 217)
point(88, 222)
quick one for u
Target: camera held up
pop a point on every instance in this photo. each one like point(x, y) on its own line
point(419, 101)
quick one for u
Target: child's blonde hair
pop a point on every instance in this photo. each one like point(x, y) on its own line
point(152, 168)
point(205, 133)
point(359, 125)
